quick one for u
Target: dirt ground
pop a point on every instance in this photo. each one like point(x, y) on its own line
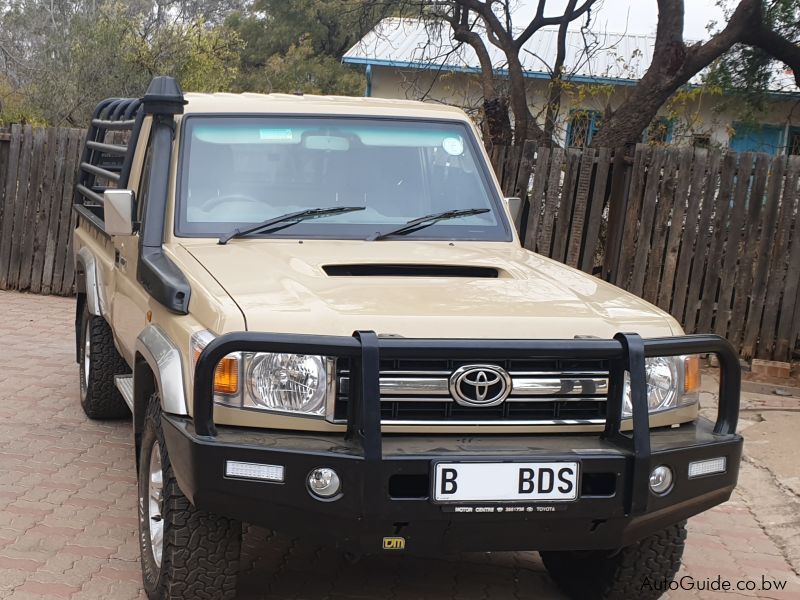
point(67, 503)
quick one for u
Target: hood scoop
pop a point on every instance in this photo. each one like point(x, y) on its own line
point(409, 270)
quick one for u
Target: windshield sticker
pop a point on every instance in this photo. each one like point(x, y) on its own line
point(275, 134)
point(453, 146)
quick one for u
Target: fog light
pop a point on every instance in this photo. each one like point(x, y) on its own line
point(246, 470)
point(711, 466)
point(661, 480)
point(324, 483)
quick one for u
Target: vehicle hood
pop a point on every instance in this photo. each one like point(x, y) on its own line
point(283, 286)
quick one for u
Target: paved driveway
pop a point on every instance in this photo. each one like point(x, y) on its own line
point(67, 507)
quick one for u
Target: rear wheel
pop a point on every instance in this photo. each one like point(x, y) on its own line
point(99, 362)
point(185, 553)
point(635, 571)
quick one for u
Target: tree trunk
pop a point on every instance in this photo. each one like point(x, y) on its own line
point(627, 124)
point(553, 107)
point(519, 99)
point(502, 35)
point(525, 125)
point(674, 64)
point(496, 121)
point(556, 80)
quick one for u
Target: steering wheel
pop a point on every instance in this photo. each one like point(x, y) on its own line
point(217, 200)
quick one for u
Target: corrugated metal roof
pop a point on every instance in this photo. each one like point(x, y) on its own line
point(618, 58)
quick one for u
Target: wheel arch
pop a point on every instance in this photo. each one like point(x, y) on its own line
point(86, 282)
point(80, 303)
point(162, 359)
point(144, 385)
point(157, 368)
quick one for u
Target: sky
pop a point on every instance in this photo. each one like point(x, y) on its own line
point(637, 16)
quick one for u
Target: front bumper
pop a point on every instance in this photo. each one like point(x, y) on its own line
point(597, 519)
point(386, 479)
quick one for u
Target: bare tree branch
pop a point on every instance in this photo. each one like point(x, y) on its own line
point(674, 64)
point(775, 45)
point(501, 35)
point(539, 21)
point(554, 96)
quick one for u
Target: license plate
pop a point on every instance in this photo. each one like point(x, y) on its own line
point(505, 482)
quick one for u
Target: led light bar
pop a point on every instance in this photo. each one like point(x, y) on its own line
point(246, 470)
point(699, 468)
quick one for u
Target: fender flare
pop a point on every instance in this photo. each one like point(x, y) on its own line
point(164, 360)
point(86, 264)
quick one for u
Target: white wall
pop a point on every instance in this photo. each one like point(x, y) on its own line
point(697, 113)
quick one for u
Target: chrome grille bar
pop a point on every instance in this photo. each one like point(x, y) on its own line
point(572, 396)
point(465, 422)
point(511, 399)
point(411, 385)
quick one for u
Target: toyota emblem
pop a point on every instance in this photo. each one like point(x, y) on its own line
point(480, 385)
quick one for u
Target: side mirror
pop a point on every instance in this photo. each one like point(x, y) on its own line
point(118, 212)
point(515, 208)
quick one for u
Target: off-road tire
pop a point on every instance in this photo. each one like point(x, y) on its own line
point(100, 398)
point(200, 551)
point(635, 571)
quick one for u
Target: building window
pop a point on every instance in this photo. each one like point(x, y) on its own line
point(659, 132)
point(701, 140)
point(758, 137)
point(793, 147)
point(582, 126)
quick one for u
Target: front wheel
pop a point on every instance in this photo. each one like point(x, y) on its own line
point(635, 571)
point(185, 553)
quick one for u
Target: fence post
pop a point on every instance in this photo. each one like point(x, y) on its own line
point(521, 184)
point(617, 206)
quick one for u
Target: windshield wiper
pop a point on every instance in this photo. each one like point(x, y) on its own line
point(426, 221)
point(287, 221)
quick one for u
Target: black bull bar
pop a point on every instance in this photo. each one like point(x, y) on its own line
point(625, 352)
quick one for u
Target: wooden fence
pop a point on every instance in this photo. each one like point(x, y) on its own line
point(37, 170)
point(711, 237)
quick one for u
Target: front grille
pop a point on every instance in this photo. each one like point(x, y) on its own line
point(544, 392)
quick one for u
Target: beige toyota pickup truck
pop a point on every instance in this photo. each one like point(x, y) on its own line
point(320, 316)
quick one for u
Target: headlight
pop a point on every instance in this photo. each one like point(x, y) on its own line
point(672, 382)
point(291, 383)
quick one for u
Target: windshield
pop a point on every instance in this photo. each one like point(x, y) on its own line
point(239, 171)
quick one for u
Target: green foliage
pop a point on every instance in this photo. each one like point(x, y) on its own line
point(13, 108)
point(203, 59)
point(683, 110)
point(592, 94)
point(297, 46)
point(10, 115)
point(69, 67)
point(302, 69)
point(747, 74)
point(329, 26)
point(66, 58)
point(65, 68)
point(61, 59)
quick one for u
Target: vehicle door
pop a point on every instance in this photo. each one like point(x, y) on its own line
point(130, 301)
